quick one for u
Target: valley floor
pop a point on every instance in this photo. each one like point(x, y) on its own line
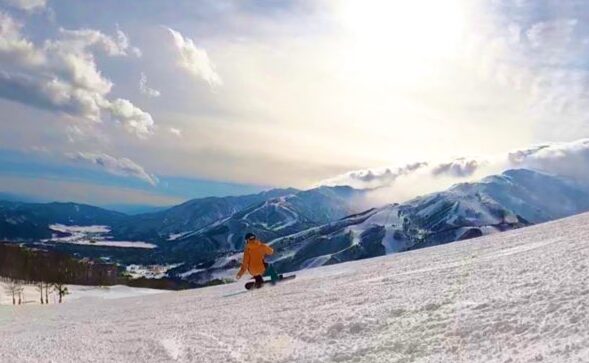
point(519, 296)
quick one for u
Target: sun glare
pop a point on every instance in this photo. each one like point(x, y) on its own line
point(408, 35)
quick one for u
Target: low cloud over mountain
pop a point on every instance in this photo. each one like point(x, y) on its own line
point(393, 183)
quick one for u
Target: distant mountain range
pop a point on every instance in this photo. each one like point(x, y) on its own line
point(192, 215)
point(30, 221)
point(307, 228)
point(514, 199)
point(270, 219)
point(195, 230)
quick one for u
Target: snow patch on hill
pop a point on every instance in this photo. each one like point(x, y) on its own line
point(175, 236)
point(92, 236)
point(149, 271)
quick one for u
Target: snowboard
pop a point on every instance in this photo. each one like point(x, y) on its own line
point(252, 284)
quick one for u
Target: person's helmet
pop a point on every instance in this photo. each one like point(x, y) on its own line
point(250, 236)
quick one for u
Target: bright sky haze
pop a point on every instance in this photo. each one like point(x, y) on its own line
point(155, 102)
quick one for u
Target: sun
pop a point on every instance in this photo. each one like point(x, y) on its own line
point(404, 35)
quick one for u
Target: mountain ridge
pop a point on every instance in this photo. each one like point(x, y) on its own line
point(463, 211)
point(308, 228)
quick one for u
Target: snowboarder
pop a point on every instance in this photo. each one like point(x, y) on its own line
point(254, 263)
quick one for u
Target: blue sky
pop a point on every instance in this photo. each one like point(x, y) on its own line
point(45, 172)
point(155, 102)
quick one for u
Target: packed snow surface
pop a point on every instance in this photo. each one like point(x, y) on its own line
point(519, 296)
point(76, 292)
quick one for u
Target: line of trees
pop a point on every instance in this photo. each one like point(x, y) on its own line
point(49, 271)
point(34, 265)
point(44, 287)
point(15, 289)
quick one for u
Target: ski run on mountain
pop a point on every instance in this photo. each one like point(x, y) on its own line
point(518, 296)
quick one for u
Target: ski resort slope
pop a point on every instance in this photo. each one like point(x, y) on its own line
point(75, 292)
point(518, 296)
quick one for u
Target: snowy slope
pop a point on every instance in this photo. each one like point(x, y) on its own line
point(77, 292)
point(518, 296)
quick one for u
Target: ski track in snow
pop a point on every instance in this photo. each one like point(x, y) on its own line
point(518, 296)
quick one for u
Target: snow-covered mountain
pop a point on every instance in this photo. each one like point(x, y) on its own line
point(514, 199)
point(193, 232)
point(537, 196)
point(192, 215)
point(519, 296)
point(310, 228)
point(269, 220)
point(31, 221)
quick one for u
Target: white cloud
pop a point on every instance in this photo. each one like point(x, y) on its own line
point(85, 133)
point(541, 61)
point(460, 167)
point(145, 89)
point(567, 159)
point(373, 178)
point(123, 40)
point(386, 177)
point(81, 40)
point(195, 60)
point(27, 5)
point(316, 101)
point(176, 132)
point(134, 119)
point(61, 75)
point(13, 47)
point(554, 33)
point(117, 166)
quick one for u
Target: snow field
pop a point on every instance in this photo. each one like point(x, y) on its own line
point(76, 292)
point(518, 296)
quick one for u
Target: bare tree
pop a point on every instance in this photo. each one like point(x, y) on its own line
point(48, 286)
point(61, 290)
point(39, 287)
point(20, 293)
point(13, 288)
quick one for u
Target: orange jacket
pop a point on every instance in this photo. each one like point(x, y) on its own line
point(253, 258)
